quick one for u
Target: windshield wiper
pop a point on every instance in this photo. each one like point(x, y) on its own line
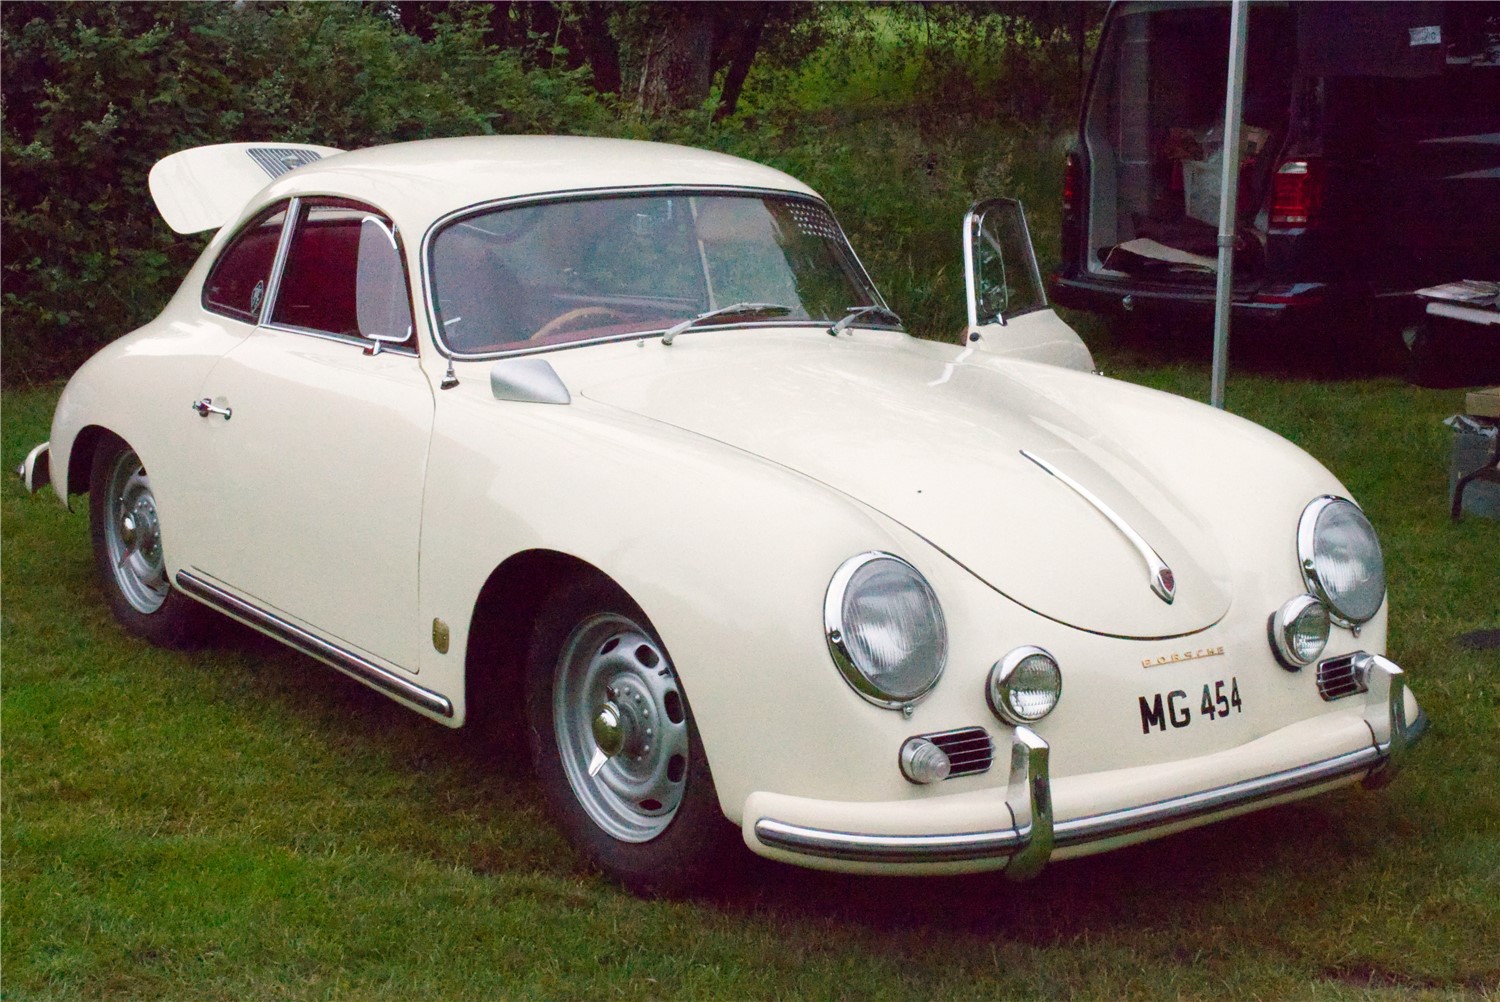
point(737, 311)
point(857, 313)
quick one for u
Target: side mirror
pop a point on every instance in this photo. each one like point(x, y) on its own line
point(1001, 275)
point(380, 303)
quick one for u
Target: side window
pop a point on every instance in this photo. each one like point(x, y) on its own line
point(320, 285)
point(237, 285)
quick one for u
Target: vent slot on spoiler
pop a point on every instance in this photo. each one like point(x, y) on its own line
point(277, 160)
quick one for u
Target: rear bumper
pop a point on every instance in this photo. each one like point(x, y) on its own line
point(1031, 832)
point(1268, 306)
point(35, 470)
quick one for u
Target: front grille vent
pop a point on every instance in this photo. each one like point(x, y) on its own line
point(969, 750)
point(1341, 676)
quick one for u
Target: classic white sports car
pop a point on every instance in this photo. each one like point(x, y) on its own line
point(617, 443)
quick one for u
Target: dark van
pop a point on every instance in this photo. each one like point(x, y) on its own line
point(1370, 161)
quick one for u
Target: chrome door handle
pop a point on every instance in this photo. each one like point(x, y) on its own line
point(205, 407)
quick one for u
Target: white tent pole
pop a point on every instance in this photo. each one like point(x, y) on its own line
point(1229, 189)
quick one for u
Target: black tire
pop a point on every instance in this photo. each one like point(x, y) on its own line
point(128, 554)
point(589, 636)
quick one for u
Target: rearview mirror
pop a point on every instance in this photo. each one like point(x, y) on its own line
point(381, 306)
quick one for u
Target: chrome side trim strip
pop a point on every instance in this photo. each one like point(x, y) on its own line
point(295, 637)
point(1162, 580)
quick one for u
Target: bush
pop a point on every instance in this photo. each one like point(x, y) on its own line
point(943, 105)
point(94, 94)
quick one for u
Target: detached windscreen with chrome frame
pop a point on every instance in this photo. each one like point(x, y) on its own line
point(593, 269)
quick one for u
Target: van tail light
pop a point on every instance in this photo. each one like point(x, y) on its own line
point(1297, 193)
point(1073, 199)
point(1070, 184)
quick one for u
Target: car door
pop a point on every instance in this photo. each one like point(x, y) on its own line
point(313, 444)
point(1007, 303)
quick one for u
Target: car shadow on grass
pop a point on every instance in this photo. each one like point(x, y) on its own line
point(1189, 877)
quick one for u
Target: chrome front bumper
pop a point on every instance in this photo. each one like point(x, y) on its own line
point(1027, 845)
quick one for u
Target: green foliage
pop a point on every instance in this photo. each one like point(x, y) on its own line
point(900, 115)
point(94, 94)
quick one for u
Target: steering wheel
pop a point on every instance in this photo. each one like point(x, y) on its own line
point(570, 319)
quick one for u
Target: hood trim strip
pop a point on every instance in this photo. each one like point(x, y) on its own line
point(1163, 582)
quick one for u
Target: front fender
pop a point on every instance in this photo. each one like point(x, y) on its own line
point(729, 555)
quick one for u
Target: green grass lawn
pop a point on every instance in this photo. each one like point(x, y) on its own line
point(240, 823)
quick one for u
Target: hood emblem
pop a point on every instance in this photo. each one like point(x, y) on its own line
point(1165, 584)
point(1163, 581)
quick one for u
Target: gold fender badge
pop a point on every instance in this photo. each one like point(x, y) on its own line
point(1202, 652)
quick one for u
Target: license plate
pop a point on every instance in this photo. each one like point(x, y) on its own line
point(1179, 708)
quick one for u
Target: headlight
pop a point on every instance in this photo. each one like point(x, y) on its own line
point(1299, 631)
point(1341, 561)
point(1024, 686)
point(885, 629)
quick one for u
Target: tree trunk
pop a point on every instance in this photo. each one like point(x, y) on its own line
point(675, 64)
point(742, 51)
point(599, 46)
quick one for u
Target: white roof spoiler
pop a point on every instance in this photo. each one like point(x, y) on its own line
point(205, 187)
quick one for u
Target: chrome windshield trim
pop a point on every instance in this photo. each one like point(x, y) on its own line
point(627, 191)
point(330, 654)
point(1162, 581)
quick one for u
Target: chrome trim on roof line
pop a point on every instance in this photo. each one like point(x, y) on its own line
point(348, 662)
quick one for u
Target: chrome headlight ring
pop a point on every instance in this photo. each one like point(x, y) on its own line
point(1298, 631)
point(1345, 606)
point(850, 640)
point(1043, 682)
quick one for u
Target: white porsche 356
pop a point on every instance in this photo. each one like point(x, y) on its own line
point(618, 444)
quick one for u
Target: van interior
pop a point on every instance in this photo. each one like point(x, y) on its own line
point(1319, 83)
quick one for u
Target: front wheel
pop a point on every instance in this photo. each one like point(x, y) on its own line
point(615, 747)
point(127, 536)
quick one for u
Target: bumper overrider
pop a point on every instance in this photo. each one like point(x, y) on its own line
point(1024, 847)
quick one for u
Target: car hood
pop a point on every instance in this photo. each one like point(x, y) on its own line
point(933, 438)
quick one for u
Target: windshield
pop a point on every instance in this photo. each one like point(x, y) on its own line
point(607, 267)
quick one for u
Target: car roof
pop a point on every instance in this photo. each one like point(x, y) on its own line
point(434, 177)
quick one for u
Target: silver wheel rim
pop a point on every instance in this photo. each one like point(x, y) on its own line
point(621, 727)
point(132, 535)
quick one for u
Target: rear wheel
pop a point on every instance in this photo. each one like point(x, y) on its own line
point(125, 526)
point(615, 746)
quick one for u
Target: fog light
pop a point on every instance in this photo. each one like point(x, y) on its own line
point(924, 762)
point(1299, 632)
point(1024, 686)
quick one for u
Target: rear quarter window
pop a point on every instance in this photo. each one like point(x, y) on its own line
point(236, 286)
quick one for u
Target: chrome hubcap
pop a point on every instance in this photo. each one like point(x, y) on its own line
point(621, 728)
point(132, 536)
